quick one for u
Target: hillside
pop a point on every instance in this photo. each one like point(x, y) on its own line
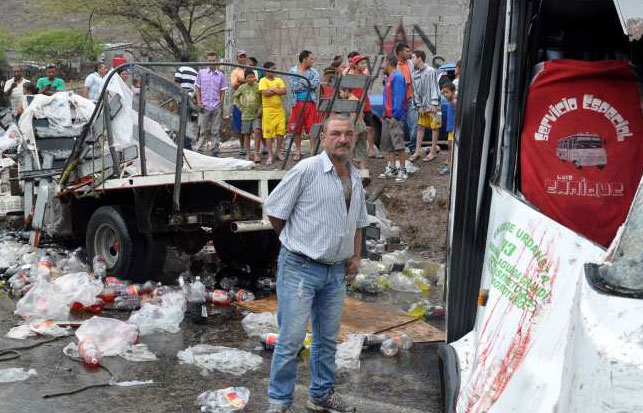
point(20, 16)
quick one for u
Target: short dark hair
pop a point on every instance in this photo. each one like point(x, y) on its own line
point(448, 85)
point(269, 65)
point(248, 72)
point(352, 54)
point(304, 54)
point(51, 66)
point(212, 54)
point(420, 54)
point(392, 59)
point(400, 46)
point(253, 60)
point(98, 65)
point(184, 57)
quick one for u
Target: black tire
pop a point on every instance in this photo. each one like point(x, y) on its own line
point(113, 225)
point(449, 376)
point(151, 259)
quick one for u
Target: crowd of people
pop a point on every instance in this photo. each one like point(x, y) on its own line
point(413, 99)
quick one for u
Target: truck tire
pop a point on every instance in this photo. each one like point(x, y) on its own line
point(449, 376)
point(111, 232)
point(151, 260)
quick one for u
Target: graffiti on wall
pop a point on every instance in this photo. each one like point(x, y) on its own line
point(387, 39)
point(284, 44)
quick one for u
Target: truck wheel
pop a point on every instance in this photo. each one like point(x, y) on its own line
point(449, 376)
point(151, 260)
point(112, 235)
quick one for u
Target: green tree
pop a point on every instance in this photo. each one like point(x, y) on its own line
point(53, 45)
point(167, 27)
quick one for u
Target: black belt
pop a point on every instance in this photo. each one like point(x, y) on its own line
point(307, 258)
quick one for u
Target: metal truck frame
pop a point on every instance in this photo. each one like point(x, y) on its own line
point(131, 220)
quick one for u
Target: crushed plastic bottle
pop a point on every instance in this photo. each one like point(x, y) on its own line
point(44, 268)
point(89, 353)
point(99, 266)
point(219, 297)
point(269, 340)
point(265, 283)
point(196, 301)
point(395, 345)
point(425, 310)
point(373, 341)
point(242, 295)
point(226, 400)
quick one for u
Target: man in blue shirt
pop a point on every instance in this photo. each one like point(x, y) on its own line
point(395, 113)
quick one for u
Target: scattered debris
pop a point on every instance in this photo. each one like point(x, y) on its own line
point(255, 324)
point(224, 359)
point(428, 195)
point(112, 336)
point(226, 400)
point(138, 353)
point(348, 352)
point(131, 383)
point(166, 316)
point(16, 374)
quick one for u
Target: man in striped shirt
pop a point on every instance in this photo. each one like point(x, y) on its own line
point(185, 76)
point(318, 210)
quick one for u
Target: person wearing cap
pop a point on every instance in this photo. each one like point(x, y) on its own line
point(359, 66)
point(238, 78)
point(50, 84)
point(13, 88)
point(303, 100)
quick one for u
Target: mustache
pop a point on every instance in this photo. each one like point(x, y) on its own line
point(343, 145)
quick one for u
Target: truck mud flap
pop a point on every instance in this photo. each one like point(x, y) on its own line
point(449, 376)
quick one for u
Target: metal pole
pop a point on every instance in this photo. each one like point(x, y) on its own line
point(178, 173)
point(141, 124)
point(110, 138)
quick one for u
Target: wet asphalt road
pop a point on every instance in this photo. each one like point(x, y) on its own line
point(409, 383)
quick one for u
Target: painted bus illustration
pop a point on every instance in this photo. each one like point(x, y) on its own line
point(582, 150)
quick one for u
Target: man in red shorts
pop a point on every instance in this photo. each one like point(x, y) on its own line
point(302, 100)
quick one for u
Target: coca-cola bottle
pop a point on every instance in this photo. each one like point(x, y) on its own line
point(269, 340)
point(89, 353)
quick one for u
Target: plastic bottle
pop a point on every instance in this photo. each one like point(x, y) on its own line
point(127, 302)
point(269, 340)
point(242, 295)
point(266, 283)
point(395, 345)
point(196, 301)
point(148, 288)
point(372, 341)
point(220, 297)
point(43, 271)
point(99, 266)
point(89, 353)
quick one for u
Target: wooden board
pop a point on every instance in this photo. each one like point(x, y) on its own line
point(363, 317)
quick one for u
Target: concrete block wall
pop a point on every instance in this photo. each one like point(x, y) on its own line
point(278, 30)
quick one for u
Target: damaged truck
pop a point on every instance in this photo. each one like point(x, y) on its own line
point(107, 176)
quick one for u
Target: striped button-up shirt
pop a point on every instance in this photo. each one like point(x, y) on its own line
point(311, 200)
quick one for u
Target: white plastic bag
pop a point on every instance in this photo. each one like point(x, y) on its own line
point(11, 252)
point(227, 400)
point(16, 374)
point(138, 353)
point(166, 316)
point(43, 301)
point(255, 324)
point(403, 283)
point(428, 195)
point(224, 359)
point(10, 138)
point(112, 336)
point(348, 352)
point(79, 287)
point(21, 332)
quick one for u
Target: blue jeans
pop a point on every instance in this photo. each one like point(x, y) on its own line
point(412, 125)
point(306, 288)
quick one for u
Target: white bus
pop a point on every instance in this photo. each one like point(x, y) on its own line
point(582, 150)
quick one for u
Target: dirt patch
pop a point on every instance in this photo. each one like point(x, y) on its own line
point(423, 224)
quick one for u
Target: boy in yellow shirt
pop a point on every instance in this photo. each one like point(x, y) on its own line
point(274, 117)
